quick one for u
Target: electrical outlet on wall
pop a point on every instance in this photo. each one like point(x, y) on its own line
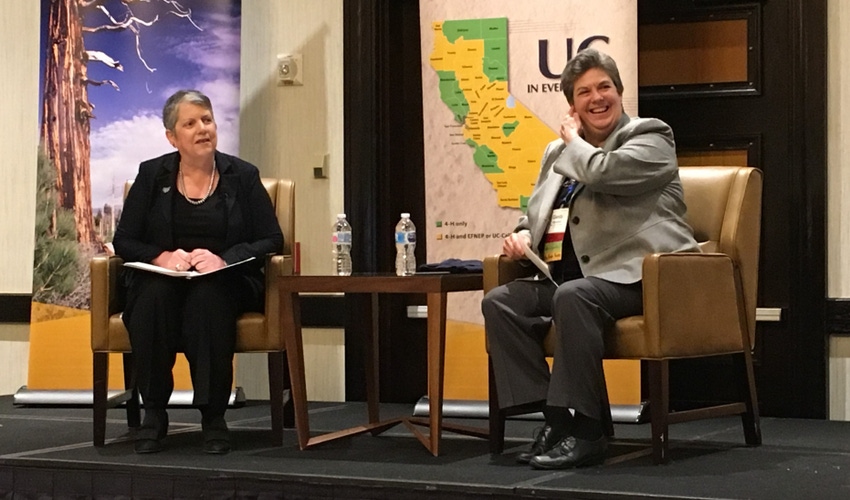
point(321, 172)
point(289, 70)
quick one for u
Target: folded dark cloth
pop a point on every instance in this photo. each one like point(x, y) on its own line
point(454, 266)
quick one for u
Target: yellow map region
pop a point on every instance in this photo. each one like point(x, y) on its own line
point(507, 138)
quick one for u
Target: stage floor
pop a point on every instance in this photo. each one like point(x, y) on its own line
point(47, 452)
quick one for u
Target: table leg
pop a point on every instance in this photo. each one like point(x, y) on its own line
point(436, 360)
point(290, 318)
point(436, 376)
point(371, 348)
point(365, 328)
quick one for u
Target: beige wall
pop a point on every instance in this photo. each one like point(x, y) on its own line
point(838, 197)
point(286, 132)
point(838, 153)
point(19, 28)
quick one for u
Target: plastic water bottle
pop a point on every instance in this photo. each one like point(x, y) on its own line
point(342, 246)
point(405, 244)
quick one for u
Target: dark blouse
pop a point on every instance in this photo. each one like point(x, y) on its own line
point(200, 226)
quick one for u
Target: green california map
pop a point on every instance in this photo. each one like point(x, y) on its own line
point(507, 139)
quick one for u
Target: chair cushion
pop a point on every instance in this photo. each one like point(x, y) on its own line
point(629, 340)
point(626, 340)
point(250, 335)
point(119, 339)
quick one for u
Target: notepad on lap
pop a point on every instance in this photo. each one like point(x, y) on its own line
point(538, 262)
point(144, 266)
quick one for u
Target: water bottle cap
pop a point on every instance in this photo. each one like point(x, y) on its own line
point(405, 215)
point(340, 216)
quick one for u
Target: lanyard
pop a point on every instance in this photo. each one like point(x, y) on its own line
point(566, 193)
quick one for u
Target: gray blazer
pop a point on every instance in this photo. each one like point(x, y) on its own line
point(628, 202)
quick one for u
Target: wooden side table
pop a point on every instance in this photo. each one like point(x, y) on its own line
point(436, 287)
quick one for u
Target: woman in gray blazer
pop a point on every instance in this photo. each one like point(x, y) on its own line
point(608, 194)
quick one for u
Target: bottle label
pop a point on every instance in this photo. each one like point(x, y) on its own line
point(403, 237)
point(341, 238)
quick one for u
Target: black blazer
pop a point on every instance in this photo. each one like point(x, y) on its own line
point(146, 230)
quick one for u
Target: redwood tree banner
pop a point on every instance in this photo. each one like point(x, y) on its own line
point(107, 68)
point(491, 102)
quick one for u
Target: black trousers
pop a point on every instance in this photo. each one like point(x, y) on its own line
point(517, 317)
point(167, 315)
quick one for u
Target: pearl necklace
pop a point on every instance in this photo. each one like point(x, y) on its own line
point(209, 189)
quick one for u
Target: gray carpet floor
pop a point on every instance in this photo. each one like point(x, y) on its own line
point(799, 459)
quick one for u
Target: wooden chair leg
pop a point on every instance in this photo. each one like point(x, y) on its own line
point(277, 367)
point(134, 417)
point(659, 408)
point(496, 415)
point(99, 396)
point(288, 406)
point(747, 389)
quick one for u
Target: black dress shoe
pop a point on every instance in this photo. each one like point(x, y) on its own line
point(544, 440)
point(217, 446)
point(216, 436)
point(143, 446)
point(572, 452)
point(153, 430)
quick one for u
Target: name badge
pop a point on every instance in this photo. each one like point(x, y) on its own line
point(554, 241)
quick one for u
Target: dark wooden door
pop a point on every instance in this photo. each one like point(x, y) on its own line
point(777, 117)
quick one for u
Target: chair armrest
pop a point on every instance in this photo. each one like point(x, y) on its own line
point(499, 270)
point(106, 298)
point(694, 305)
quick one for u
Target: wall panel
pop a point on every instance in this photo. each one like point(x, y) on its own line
point(838, 198)
point(19, 51)
point(287, 132)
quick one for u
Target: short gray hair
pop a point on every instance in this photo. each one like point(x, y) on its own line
point(169, 111)
point(585, 60)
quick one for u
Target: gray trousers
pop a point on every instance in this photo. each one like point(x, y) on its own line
point(517, 317)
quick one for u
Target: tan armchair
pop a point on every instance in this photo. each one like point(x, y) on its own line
point(255, 332)
point(694, 304)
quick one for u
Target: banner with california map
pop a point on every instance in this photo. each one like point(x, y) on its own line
point(491, 102)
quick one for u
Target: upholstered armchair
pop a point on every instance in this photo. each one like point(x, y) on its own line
point(256, 332)
point(694, 304)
